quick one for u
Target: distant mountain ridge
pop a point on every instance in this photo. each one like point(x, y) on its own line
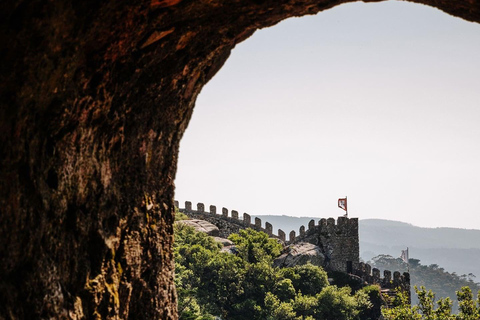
point(422, 237)
point(456, 250)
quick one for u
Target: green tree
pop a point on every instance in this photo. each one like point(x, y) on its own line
point(338, 303)
point(278, 310)
point(284, 289)
point(246, 286)
point(191, 249)
point(402, 310)
point(468, 308)
point(255, 246)
point(375, 297)
point(433, 277)
point(426, 310)
point(307, 279)
point(306, 306)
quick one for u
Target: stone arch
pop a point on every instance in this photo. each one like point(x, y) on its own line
point(94, 100)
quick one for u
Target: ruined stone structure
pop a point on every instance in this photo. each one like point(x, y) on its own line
point(389, 286)
point(338, 242)
point(369, 275)
point(94, 100)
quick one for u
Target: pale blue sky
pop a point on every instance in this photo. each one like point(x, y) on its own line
point(379, 102)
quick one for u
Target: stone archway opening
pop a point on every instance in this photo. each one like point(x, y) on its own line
point(95, 98)
point(382, 108)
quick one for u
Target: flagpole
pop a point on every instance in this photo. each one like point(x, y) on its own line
point(342, 204)
point(408, 261)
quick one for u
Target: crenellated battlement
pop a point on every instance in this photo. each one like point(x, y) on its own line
point(373, 276)
point(231, 222)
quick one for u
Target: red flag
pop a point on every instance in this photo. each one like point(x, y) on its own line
point(342, 203)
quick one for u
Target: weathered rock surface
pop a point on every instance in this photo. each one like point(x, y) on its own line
point(300, 254)
point(94, 98)
point(201, 226)
point(223, 241)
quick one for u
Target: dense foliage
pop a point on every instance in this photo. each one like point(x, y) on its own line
point(433, 277)
point(428, 309)
point(243, 284)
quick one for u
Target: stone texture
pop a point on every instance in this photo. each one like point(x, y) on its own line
point(372, 276)
point(94, 100)
point(223, 241)
point(226, 225)
point(337, 241)
point(269, 228)
point(300, 254)
point(202, 226)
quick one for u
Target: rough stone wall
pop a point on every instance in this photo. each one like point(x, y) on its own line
point(338, 241)
point(94, 99)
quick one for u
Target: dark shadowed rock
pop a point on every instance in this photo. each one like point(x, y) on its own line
point(300, 254)
point(230, 249)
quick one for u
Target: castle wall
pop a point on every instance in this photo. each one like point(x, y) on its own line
point(338, 240)
point(373, 276)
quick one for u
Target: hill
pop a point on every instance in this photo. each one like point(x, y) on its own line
point(433, 277)
point(456, 250)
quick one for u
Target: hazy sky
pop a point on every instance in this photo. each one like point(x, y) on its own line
point(378, 102)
